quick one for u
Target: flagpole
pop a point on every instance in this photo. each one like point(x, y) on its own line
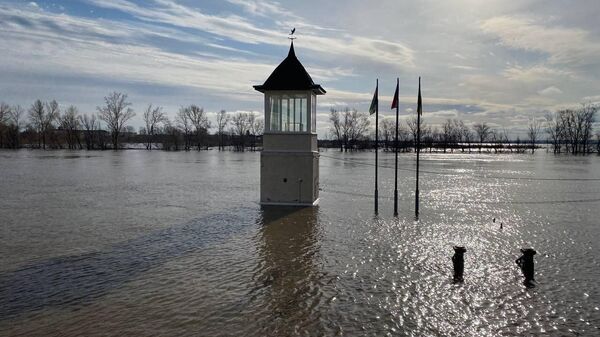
point(396, 149)
point(419, 108)
point(376, 144)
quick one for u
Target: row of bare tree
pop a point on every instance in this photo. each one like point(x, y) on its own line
point(570, 129)
point(45, 126)
point(190, 127)
point(11, 119)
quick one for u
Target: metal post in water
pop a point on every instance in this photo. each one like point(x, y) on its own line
point(419, 112)
point(376, 144)
point(397, 102)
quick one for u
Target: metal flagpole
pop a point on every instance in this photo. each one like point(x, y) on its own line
point(376, 144)
point(396, 148)
point(419, 108)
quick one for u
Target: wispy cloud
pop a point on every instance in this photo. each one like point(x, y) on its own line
point(550, 91)
point(561, 44)
point(516, 61)
point(238, 28)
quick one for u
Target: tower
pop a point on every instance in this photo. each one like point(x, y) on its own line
point(289, 162)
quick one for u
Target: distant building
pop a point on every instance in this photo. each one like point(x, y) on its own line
point(289, 170)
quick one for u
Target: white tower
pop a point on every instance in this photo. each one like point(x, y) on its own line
point(289, 162)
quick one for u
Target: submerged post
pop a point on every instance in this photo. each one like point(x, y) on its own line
point(527, 265)
point(458, 262)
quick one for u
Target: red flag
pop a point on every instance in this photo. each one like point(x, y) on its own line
point(395, 100)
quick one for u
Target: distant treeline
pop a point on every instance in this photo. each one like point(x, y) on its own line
point(569, 130)
point(44, 126)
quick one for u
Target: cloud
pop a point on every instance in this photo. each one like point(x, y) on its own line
point(211, 53)
point(591, 99)
point(239, 29)
point(263, 8)
point(561, 44)
point(550, 91)
point(464, 67)
point(536, 73)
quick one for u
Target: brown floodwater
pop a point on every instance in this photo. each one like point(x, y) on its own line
point(174, 244)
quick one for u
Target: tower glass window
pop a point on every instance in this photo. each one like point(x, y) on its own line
point(288, 113)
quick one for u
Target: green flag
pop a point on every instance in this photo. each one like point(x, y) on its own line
point(374, 102)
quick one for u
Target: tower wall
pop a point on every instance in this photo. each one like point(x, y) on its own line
point(289, 170)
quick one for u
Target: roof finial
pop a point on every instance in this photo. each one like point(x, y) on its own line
point(292, 37)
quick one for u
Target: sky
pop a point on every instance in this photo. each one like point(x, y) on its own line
point(503, 62)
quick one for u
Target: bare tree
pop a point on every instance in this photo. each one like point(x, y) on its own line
point(412, 127)
point(587, 113)
point(200, 122)
point(4, 112)
point(240, 127)
point(387, 128)
point(336, 128)
point(37, 115)
point(115, 113)
point(152, 117)
point(69, 122)
point(533, 131)
point(90, 126)
point(354, 126)
point(450, 133)
point(576, 126)
point(223, 119)
point(41, 117)
point(554, 131)
point(53, 114)
point(257, 127)
point(483, 132)
point(4, 115)
point(505, 139)
point(14, 126)
point(185, 126)
point(172, 134)
point(250, 132)
point(467, 135)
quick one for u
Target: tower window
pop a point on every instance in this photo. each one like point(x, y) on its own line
point(288, 113)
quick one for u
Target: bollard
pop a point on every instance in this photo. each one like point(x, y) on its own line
point(458, 261)
point(526, 263)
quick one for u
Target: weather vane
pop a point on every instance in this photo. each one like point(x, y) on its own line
point(292, 37)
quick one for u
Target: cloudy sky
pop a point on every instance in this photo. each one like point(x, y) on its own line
point(499, 61)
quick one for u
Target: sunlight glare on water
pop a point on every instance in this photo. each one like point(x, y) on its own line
point(165, 243)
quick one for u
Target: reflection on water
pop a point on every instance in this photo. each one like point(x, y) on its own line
point(175, 244)
point(289, 271)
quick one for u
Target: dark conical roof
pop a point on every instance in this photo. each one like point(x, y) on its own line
point(290, 75)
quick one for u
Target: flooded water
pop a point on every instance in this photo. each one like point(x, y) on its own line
point(171, 244)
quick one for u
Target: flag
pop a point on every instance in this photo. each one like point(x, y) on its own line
point(395, 100)
point(374, 102)
point(419, 101)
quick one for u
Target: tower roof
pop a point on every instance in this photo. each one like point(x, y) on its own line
point(290, 75)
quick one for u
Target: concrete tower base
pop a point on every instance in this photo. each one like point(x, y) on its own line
point(289, 178)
